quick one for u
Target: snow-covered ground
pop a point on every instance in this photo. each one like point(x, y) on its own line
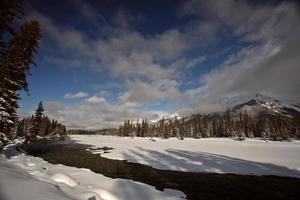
point(24, 177)
point(221, 155)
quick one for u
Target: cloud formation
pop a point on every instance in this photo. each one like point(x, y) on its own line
point(258, 44)
point(96, 113)
point(144, 92)
point(75, 95)
point(269, 67)
point(255, 22)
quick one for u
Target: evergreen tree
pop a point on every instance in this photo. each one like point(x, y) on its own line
point(16, 56)
point(205, 130)
point(36, 124)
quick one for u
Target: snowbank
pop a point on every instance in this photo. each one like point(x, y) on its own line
point(63, 178)
point(220, 155)
point(24, 177)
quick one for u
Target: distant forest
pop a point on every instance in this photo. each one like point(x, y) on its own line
point(273, 127)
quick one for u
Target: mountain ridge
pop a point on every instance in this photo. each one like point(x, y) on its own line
point(255, 105)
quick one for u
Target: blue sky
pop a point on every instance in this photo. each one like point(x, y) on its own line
point(101, 62)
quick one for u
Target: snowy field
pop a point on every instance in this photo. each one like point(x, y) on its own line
point(220, 155)
point(30, 178)
point(24, 177)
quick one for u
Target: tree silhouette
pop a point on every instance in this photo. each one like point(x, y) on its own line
point(17, 46)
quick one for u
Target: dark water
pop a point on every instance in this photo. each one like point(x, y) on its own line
point(195, 185)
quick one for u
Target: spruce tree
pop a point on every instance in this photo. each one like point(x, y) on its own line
point(17, 46)
point(36, 124)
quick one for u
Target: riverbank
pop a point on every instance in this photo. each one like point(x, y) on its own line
point(25, 177)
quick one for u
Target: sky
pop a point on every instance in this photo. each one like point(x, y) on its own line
point(102, 62)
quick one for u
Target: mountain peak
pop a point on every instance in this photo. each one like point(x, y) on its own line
point(229, 102)
point(257, 103)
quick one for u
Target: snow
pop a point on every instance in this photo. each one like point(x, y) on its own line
point(218, 155)
point(16, 184)
point(24, 177)
point(63, 178)
point(263, 103)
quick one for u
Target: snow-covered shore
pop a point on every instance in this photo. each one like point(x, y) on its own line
point(220, 155)
point(24, 177)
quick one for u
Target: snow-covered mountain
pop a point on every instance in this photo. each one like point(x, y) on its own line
point(256, 104)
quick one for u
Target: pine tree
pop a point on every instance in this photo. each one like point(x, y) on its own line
point(241, 132)
point(199, 127)
point(205, 131)
point(36, 124)
point(214, 128)
point(16, 56)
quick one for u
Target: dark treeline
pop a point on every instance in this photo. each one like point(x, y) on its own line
point(47, 127)
point(273, 127)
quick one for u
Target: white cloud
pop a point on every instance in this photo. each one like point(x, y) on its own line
point(187, 64)
point(88, 12)
point(254, 22)
point(95, 99)
point(124, 53)
point(75, 95)
point(141, 92)
point(97, 113)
